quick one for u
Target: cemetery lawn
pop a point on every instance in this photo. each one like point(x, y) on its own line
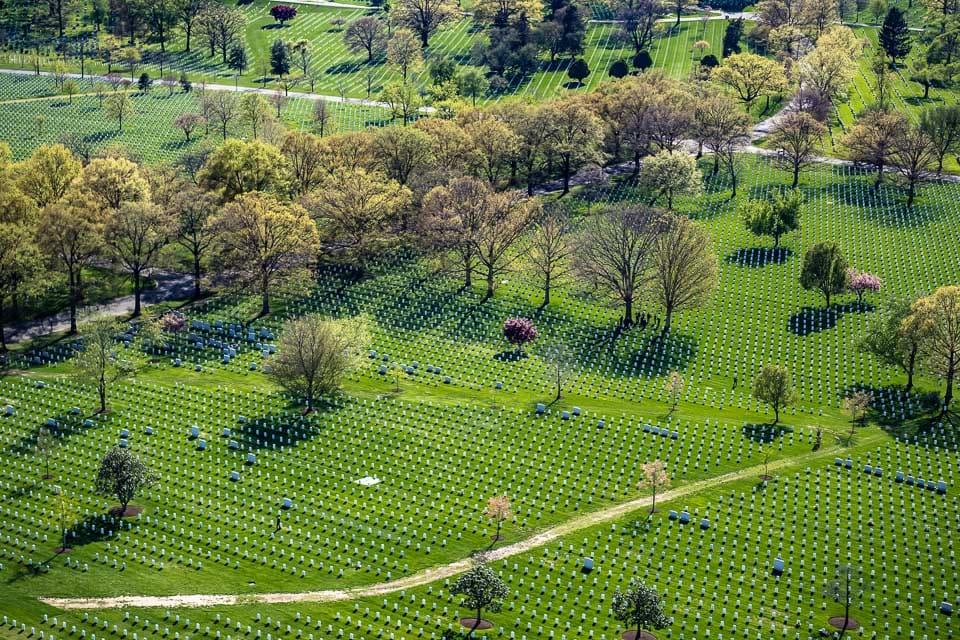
point(440, 450)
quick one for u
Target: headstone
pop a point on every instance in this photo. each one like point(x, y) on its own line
point(587, 565)
point(946, 608)
point(778, 566)
point(287, 503)
point(234, 475)
point(684, 517)
point(201, 444)
point(251, 458)
point(194, 431)
point(541, 408)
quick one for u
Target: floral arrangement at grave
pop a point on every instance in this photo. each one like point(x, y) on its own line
point(519, 331)
point(173, 322)
point(861, 282)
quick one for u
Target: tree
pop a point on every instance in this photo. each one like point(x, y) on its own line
point(824, 269)
point(403, 100)
point(261, 240)
point(498, 510)
point(775, 217)
point(188, 123)
point(237, 59)
point(224, 108)
point(192, 210)
point(731, 37)
point(70, 88)
point(222, 27)
point(472, 84)
point(476, 226)
point(47, 174)
point(519, 331)
point(670, 174)
point(674, 387)
point(119, 106)
point(549, 253)
point(72, 237)
point(572, 135)
point(46, 445)
point(357, 211)
point(721, 127)
point(935, 320)
point(21, 262)
point(114, 181)
point(619, 69)
point(685, 267)
point(857, 404)
point(404, 51)
point(913, 156)
point(890, 340)
point(774, 386)
point(616, 251)
point(860, 282)
point(828, 69)
point(365, 34)
point(188, 11)
point(122, 475)
point(96, 362)
point(941, 124)
point(560, 361)
point(578, 71)
point(750, 76)
point(876, 8)
point(315, 354)
point(639, 606)
point(796, 138)
point(481, 589)
point(401, 152)
point(254, 111)
point(653, 474)
point(239, 167)
point(279, 58)
point(638, 20)
point(281, 13)
point(144, 82)
point(642, 60)
point(846, 585)
point(873, 138)
point(135, 233)
point(423, 17)
point(894, 35)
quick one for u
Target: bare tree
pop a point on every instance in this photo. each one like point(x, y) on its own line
point(914, 156)
point(224, 109)
point(796, 138)
point(135, 233)
point(549, 253)
point(616, 251)
point(367, 34)
point(686, 269)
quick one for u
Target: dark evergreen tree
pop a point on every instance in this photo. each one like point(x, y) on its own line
point(895, 35)
point(619, 69)
point(642, 61)
point(279, 58)
point(731, 37)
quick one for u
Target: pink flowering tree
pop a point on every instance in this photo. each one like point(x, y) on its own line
point(281, 13)
point(654, 476)
point(498, 510)
point(861, 282)
point(519, 331)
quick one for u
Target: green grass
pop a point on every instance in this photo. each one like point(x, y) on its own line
point(341, 72)
point(441, 449)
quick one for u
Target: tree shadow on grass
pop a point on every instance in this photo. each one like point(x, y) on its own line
point(511, 355)
point(279, 430)
point(344, 67)
point(759, 256)
point(764, 433)
point(810, 320)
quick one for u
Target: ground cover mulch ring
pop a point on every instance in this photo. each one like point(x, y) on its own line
point(469, 622)
point(632, 635)
point(132, 510)
point(837, 623)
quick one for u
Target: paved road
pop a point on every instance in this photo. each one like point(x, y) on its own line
point(171, 285)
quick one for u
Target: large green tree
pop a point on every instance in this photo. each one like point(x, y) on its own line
point(895, 36)
point(824, 269)
point(640, 606)
point(122, 475)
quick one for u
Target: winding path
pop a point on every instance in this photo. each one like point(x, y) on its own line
point(435, 573)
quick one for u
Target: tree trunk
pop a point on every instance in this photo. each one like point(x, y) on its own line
point(188, 29)
point(628, 312)
point(476, 623)
point(566, 182)
point(102, 391)
point(911, 193)
point(776, 414)
point(467, 275)
point(546, 290)
point(796, 176)
point(911, 360)
point(74, 286)
point(716, 163)
point(489, 283)
point(265, 293)
point(136, 294)
point(196, 276)
point(558, 383)
point(668, 314)
point(948, 396)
